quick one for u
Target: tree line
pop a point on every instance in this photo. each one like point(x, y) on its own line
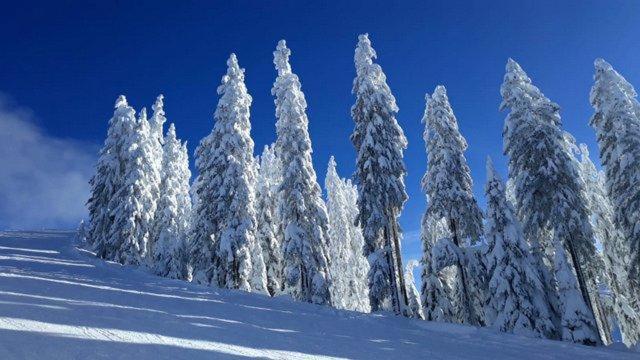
point(534, 262)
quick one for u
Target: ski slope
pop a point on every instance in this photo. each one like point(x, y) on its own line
point(59, 302)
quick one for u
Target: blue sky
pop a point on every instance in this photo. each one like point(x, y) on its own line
point(63, 65)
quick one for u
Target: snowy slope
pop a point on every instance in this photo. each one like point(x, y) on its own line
point(57, 302)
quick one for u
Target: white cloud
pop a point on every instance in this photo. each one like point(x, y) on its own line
point(411, 244)
point(43, 179)
point(411, 237)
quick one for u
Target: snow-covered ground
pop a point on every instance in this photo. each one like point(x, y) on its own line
point(58, 302)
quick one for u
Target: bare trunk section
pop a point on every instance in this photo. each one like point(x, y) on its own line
point(584, 289)
point(398, 293)
point(395, 234)
point(304, 287)
point(603, 323)
point(395, 299)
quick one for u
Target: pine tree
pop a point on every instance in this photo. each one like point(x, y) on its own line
point(596, 267)
point(435, 290)
point(156, 124)
point(517, 301)
point(108, 178)
point(348, 265)
point(338, 239)
point(134, 204)
point(537, 236)
point(412, 291)
point(231, 183)
point(435, 299)
point(448, 186)
point(478, 280)
point(268, 233)
point(360, 265)
point(445, 256)
point(183, 196)
point(202, 241)
point(547, 186)
point(81, 234)
point(379, 143)
point(302, 211)
point(615, 251)
point(258, 279)
point(169, 252)
point(617, 124)
point(604, 306)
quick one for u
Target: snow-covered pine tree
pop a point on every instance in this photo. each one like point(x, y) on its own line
point(448, 186)
point(302, 210)
point(379, 143)
point(156, 124)
point(183, 196)
point(81, 234)
point(268, 232)
point(169, 252)
point(360, 271)
point(445, 256)
point(435, 290)
point(538, 161)
point(595, 268)
point(348, 265)
point(231, 183)
point(449, 276)
point(517, 301)
point(338, 239)
point(108, 178)
point(412, 291)
point(477, 281)
point(202, 238)
point(134, 204)
point(541, 247)
point(615, 250)
point(577, 321)
point(547, 186)
point(258, 279)
point(617, 125)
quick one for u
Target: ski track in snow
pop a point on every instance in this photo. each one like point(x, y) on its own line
point(59, 302)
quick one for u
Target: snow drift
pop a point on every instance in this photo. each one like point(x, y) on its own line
point(59, 302)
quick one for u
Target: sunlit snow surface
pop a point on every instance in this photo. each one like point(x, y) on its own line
point(57, 302)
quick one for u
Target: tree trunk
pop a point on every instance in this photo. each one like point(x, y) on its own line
point(605, 329)
point(395, 300)
point(304, 288)
point(402, 296)
point(235, 275)
point(583, 285)
point(468, 309)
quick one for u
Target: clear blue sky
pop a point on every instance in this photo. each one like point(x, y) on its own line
point(68, 62)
